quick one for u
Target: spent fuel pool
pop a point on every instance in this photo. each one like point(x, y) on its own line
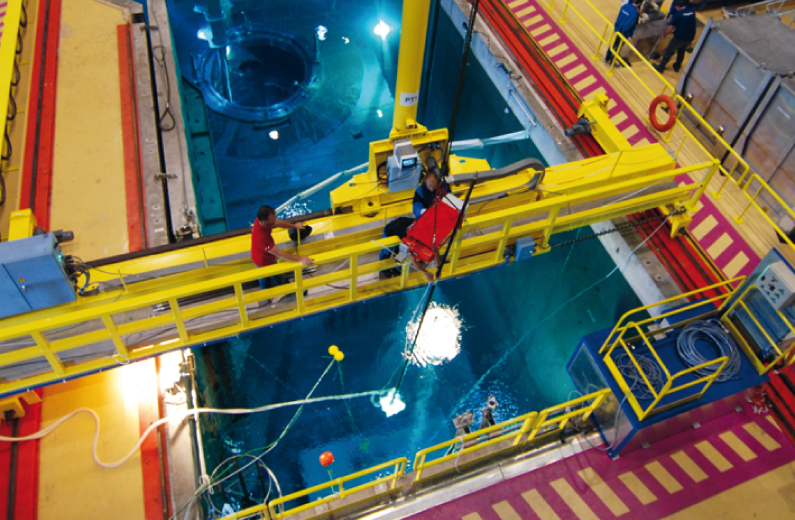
point(506, 332)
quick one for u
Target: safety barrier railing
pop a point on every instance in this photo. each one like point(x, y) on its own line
point(637, 317)
point(519, 430)
point(667, 388)
point(594, 27)
point(645, 327)
point(12, 24)
point(787, 355)
point(522, 430)
point(151, 317)
point(398, 467)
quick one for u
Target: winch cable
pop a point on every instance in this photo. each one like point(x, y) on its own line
point(429, 293)
point(460, 88)
point(445, 171)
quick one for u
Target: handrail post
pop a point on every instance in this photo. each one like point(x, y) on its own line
point(241, 305)
point(553, 216)
point(177, 314)
point(601, 41)
point(354, 277)
point(299, 289)
point(739, 219)
point(565, 9)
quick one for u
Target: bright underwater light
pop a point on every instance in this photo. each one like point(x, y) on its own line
point(439, 340)
point(205, 34)
point(273, 134)
point(391, 403)
point(381, 29)
point(321, 32)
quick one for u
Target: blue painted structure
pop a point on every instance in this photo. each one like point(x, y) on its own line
point(32, 275)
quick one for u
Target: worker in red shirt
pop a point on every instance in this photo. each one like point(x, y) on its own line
point(263, 250)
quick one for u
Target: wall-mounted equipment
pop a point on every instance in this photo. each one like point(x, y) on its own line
point(762, 318)
point(404, 167)
point(32, 275)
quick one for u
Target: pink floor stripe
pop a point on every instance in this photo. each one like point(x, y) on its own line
point(666, 503)
point(643, 131)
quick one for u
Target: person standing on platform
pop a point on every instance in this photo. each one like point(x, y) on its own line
point(683, 26)
point(264, 251)
point(626, 22)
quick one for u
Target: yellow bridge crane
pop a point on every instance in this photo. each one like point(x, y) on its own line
point(203, 292)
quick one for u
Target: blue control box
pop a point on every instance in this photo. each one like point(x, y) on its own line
point(525, 247)
point(32, 275)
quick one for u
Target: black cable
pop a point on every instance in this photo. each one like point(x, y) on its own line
point(459, 90)
point(7, 156)
point(24, 23)
point(618, 228)
point(12, 108)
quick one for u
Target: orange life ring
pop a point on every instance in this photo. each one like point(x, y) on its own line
point(669, 104)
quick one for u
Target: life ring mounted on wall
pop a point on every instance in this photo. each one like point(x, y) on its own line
point(668, 103)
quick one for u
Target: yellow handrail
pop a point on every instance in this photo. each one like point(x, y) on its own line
point(548, 420)
point(111, 321)
point(621, 328)
point(398, 465)
point(470, 443)
point(668, 387)
point(740, 173)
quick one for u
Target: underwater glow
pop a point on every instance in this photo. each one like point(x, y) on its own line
point(439, 339)
point(381, 29)
point(346, 40)
point(380, 114)
point(321, 32)
point(273, 134)
point(205, 34)
point(391, 403)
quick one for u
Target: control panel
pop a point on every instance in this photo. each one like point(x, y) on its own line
point(777, 284)
point(32, 275)
point(404, 167)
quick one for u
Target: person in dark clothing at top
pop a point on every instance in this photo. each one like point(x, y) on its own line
point(626, 22)
point(683, 26)
point(426, 193)
point(264, 251)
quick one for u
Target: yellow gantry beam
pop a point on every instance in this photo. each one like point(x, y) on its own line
point(205, 293)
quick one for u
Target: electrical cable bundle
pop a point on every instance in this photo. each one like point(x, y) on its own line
point(713, 332)
point(651, 370)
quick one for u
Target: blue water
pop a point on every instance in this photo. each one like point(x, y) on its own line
point(519, 327)
point(354, 80)
point(519, 330)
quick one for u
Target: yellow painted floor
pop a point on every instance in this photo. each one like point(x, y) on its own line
point(88, 198)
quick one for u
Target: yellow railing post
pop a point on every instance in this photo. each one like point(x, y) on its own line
point(506, 229)
point(176, 313)
point(51, 356)
point(299, 289)
point(121, 348)
point(739, 218)
point(602, 40)
point(354, 277)
point(565, 9)
point(241, 305)
point(553, 216)
point(455, 253)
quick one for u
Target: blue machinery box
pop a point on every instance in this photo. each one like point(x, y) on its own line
point(32, 276)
